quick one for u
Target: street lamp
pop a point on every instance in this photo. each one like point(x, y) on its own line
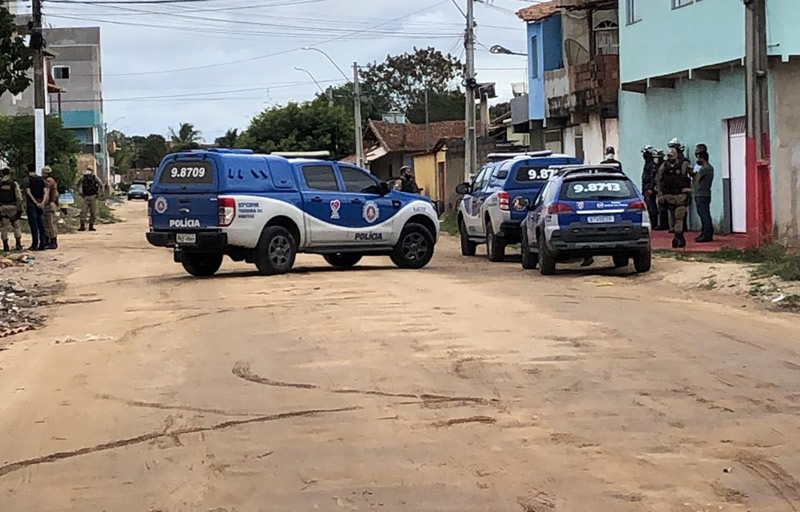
point(328, 94)
point(502, 50)
point(356, 102)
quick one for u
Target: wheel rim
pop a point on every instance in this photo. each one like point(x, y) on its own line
point(415, 247)
point(279, 250)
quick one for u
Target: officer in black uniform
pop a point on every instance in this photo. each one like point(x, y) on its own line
point(649, 176)
point(611, 157)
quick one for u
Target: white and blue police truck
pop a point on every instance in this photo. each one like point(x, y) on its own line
point(264, 209)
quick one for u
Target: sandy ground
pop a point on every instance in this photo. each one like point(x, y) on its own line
point(468, 386)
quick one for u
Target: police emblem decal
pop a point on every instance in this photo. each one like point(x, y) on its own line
point(371, 212)
point(160, 204)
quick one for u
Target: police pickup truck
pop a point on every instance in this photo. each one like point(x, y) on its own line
point(494, 204)
point(264, 209)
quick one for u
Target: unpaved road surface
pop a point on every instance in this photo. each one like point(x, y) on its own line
point(468, 386)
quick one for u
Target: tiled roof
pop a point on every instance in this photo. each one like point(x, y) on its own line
point(411, 137)
point(539, 10)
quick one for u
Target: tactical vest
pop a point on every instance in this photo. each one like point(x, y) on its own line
point(673, 180)
point(8, 193)
point(89, 186)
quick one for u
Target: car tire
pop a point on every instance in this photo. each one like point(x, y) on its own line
point(467, 247)
point(342, 260)
point(642, 261)
point(276, 251)
point(547, 260)
point(201, 264)
point(414, 248)
point(530, 259)
point(495, 247)
point(620, 260)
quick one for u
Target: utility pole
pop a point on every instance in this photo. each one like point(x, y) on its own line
point(427, 122)
point(39, 84)
point(357, 109)
point(470, 86)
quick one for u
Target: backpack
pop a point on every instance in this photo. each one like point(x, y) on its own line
point(89, 186)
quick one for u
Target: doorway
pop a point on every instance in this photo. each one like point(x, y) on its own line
point(736, 175)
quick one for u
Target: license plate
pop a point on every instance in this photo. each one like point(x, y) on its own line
point(600, 219)
point(186, 238)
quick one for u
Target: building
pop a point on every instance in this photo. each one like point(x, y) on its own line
point(573, 77)
point(75, 91)
point(683, 75)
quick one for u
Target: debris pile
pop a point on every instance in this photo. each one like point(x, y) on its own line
point(16, 260)
point(17, 308)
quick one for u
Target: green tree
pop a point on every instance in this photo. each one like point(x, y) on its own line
point(305, 126)
point(15, 58)
point(17, 147)
point(228, 140)
point(187, 137)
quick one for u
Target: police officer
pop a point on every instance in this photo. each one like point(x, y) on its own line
point(407, 181)
point(89, 187)
point(674, 186)
point(611, 157)
point(663, 217)
point(50, 209)
point(687, 164)
point(10, 209)
point(649, 176)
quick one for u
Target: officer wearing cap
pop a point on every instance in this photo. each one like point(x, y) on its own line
point(407, 181)
point(50, 209)
point(611, 159)
point(649, 175)
point(89, 187)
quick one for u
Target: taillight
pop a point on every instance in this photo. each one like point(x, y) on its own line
point(227, 210)
point(637, 206)
point(503, 200)
point(150, 213)
point(558, 208)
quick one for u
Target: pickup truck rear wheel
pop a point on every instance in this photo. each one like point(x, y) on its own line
point(529, 258)
point(342, 260)
point(276, 251)
point(495, 246)
point(414, 248)
point(201, 264)
point(547, 260)
point(467, 247)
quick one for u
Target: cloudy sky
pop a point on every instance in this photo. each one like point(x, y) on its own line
point(217, 63)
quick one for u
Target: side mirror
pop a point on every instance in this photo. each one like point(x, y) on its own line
point(463, 189)
point(384, 188)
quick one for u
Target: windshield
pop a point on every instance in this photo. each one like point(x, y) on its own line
point(138, 188)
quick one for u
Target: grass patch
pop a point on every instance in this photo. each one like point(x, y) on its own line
point(449, 223)
point(772, 260)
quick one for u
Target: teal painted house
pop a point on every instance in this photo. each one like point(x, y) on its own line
point(682, 75)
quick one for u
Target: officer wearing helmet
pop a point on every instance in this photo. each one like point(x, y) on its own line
point(674, 187)
point(649, 176)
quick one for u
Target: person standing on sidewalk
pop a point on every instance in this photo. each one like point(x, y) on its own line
point(702, 194)
point(674, 187)
point(34, 193)
point(649, 176)
point(89, 187)
point(10, 209)
point(50, 209)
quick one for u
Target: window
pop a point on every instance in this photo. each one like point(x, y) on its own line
point(320, 177)
point(529, 173)
point(359, 182)
point(681, 3)
point(61, 72)
point(594, 189)
point(632, 11)
point(534, 57)
point(479, 179)
point(606, 38)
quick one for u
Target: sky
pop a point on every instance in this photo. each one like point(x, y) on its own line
point(218, 63)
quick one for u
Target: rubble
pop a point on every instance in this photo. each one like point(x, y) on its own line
point(17, 308)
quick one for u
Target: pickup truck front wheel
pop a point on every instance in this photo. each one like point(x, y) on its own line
point(201, 264)
point(414, 249)
point(276, 251)
point(342, 260)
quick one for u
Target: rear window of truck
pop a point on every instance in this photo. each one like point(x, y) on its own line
point(187, 173)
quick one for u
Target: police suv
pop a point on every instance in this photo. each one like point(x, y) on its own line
point(264, 209)
point(587, 211)
point(493, 205)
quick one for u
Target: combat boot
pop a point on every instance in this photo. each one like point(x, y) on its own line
point(18, 247)
point(51, 244)
point(681, 240)
point(91, 227)
point(5, 246)
point(675, 242)
point(83, 227)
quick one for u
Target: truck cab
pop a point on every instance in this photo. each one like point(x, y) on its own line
point(264, 209)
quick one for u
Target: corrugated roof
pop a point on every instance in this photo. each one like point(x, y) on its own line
point(539, 11)
point(411, 137)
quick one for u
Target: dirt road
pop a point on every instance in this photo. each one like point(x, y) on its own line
point(468, 386)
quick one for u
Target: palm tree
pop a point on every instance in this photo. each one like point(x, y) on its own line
point(229, 139)
point(185, 138)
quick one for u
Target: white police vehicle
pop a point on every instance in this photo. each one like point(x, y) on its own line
point(264, 209)
point(493, 205)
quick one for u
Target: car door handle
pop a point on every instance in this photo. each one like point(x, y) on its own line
point(316, 199)
point(357, 201)
point(396, 203)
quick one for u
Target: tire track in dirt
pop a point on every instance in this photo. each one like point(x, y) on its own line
point(242, 370)
point(111, 445)
point(169, 407)
point(785, 485)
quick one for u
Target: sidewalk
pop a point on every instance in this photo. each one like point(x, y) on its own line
point(662, 240)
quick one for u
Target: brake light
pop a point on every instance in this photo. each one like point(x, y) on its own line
point(637, 206)
point(558, 208)
point(503, 200)
point(227, 210)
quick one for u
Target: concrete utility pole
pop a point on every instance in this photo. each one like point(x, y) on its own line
point(39, 84)
point(470, 154)
point(756, 68)
point(357, 110)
